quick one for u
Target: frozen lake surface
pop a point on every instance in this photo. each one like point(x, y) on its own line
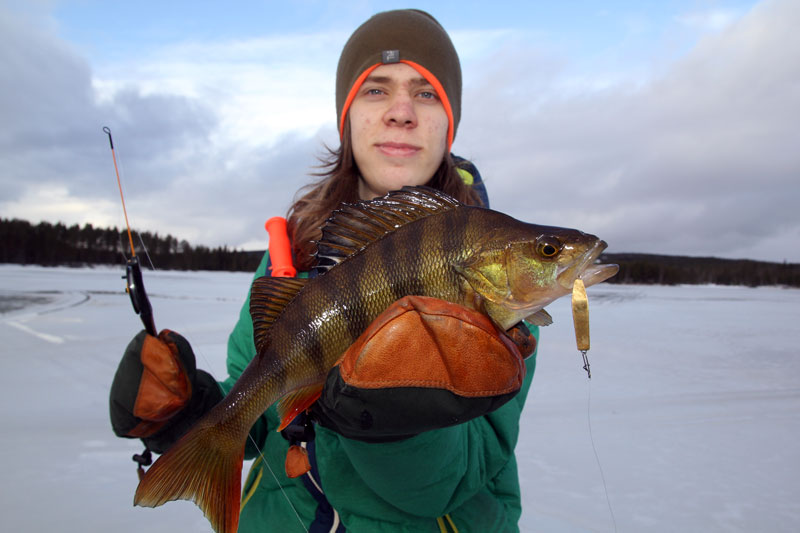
point(694, 405)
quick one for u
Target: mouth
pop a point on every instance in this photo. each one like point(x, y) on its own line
point(395, 149)
point(587, 270)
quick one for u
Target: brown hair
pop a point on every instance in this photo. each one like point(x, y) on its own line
point(338, 183)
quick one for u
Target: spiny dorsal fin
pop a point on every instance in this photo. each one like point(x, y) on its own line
point(354, 226)
point(268, 297)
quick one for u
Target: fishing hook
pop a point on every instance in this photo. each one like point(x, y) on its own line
point(586, 364)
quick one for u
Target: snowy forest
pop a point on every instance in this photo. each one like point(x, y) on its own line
point(49, 244)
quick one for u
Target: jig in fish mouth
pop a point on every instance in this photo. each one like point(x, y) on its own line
point(586, 270)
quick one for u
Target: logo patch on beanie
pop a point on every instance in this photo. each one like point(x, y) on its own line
point(390, 56)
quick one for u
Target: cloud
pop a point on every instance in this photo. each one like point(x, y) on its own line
point(51, 135)
point(261, 88)
point(213, 138)
point(206, 166)
point(229, 203)
point(701, 160)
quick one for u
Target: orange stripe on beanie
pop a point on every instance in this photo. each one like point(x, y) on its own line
point(429, 77)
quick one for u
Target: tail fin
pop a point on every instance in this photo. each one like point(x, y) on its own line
point(205, 466)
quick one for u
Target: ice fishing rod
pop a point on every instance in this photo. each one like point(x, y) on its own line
point(133, 270)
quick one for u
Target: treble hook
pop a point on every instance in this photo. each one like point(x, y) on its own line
point(586, 363)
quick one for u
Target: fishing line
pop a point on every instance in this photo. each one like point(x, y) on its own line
point(580, 318)
point(594, 449)
point(272, 473)
point(146, 253)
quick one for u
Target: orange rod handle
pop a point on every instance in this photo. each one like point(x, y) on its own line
point(280, 250)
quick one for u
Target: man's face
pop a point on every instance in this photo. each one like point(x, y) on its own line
point(398, 130)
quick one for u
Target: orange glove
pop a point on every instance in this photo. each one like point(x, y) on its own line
point(157, 392)
point(422, 364)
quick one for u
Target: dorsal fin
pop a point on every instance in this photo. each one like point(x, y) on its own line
point(268, 297)
point(354, 226)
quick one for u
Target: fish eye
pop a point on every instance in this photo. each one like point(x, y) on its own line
point(548, 246)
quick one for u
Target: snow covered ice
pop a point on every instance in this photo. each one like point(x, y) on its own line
point(694, 405)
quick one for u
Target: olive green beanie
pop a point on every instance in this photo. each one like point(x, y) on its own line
point(408, 36)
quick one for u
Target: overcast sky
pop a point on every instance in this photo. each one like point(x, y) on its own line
point(663, 127)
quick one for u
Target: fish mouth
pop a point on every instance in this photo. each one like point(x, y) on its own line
point(586, 269)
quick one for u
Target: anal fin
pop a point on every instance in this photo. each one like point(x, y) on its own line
point(296, 402)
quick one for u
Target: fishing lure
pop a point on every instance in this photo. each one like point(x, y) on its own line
point(580, 317)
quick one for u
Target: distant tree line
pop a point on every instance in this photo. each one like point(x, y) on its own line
point(673, 270)
point(57, 244)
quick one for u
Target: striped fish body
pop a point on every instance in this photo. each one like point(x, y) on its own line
point(333, 309)
point(300, 342)
point(412, 242)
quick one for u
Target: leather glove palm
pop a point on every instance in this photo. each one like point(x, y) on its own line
point(157, 392)
point(422, 364)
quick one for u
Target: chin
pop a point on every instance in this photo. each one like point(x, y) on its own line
point(393, 179)
point(409, 178)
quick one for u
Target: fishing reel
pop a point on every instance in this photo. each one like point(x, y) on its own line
point(139, 299)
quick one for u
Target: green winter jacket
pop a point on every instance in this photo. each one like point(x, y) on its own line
point(463, 476)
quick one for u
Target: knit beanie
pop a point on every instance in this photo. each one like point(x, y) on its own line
point(409, 36)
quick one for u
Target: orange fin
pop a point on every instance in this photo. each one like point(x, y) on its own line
point(296, 402)
point(204, 466)
point(268, 297)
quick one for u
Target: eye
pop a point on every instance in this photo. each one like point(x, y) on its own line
point(548, 246)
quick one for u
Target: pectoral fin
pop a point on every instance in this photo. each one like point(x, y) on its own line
point(488, 282)
point(540, 318)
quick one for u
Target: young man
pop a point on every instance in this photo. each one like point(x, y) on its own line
point(398, 107)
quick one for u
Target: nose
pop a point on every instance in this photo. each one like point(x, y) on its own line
point(401, 111)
